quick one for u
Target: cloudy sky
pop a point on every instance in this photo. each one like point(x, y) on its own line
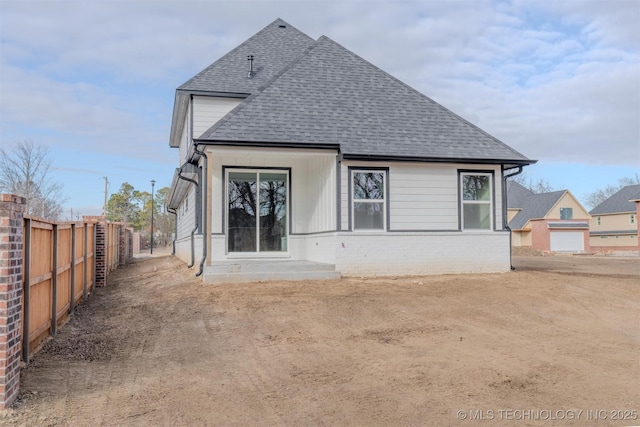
point(94, 81)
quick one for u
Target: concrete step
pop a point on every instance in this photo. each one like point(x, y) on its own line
point(266, 270)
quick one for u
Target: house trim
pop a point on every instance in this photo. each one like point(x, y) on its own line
point(613, 233)
point(508, 163)
point(338, 193)
point(225, 205)
point(493, 198)
point(387, 196)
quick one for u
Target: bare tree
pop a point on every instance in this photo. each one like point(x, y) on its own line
point(541, 186)
point(599, 195)
point(25, 171)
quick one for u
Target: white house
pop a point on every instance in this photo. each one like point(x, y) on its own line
point(299, 159)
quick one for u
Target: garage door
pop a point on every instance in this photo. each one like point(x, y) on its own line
point(567, 241)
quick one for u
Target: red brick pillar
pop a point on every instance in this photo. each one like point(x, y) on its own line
point(11, 271)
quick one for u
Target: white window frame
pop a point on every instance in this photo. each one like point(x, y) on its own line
point(632, 219)
point(478, 202)
point(385, 173)
point(598, 221)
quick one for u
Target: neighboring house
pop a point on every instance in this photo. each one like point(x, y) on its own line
point(553, 221)
point(614, 222)
point(299, 156)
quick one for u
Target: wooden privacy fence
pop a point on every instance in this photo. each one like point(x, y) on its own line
point(46, 269)
point(63, 262)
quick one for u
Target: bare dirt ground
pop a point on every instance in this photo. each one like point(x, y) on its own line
point(536, 346)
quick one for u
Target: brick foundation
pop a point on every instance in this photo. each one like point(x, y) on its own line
point(11, 254)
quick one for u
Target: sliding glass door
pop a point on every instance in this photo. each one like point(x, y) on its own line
point(257, 212)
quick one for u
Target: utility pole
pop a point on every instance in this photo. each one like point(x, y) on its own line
point(153, 183)
point(106, 186)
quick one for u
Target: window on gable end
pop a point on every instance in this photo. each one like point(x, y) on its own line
point(369, 199)
point(566, 213)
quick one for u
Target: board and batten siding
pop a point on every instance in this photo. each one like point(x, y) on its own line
point(422, 196)
point(207, 110)
point(312, 184)
point(316, 190)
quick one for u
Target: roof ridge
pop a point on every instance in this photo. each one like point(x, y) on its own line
point(277, 21)
point(256, 94)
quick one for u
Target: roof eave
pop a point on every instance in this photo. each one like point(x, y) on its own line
point(268, 144)
point(426, 159)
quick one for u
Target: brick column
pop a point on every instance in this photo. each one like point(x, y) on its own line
point(129, 243)
point(101, 254)
point(122, 243)
point(11, 270)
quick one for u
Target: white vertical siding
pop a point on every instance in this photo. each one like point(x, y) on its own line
point(312, 185)
point(207, 110)
point(316, 189)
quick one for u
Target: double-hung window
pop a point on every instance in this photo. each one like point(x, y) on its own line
point(476, 200)
point(369, 199)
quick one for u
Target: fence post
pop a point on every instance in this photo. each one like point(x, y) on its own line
point(85, 267)
point(72, 301)
point(54, 282)
point(11, 275)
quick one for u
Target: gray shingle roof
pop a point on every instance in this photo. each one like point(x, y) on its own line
point(619, 202)
point(517, 194)
point(273, 48)
point(568, 224)
point(329, 96)
point(533, 206)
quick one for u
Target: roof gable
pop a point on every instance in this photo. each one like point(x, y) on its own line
point(533, 206)
point(620, 201)
point(330, 96)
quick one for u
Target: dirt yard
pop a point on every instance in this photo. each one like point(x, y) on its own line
point(557, 342)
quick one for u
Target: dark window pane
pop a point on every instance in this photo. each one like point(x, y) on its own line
point(368, 216)
point(273, 212)
point(242, 212)
point(368, 185)
point(476, 187)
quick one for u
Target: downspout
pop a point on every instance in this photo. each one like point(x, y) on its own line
point(204, 210)
point(175, 228)
point(193, 260)
point(505, 215)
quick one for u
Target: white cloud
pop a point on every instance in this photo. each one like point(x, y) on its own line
point(556, 80)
